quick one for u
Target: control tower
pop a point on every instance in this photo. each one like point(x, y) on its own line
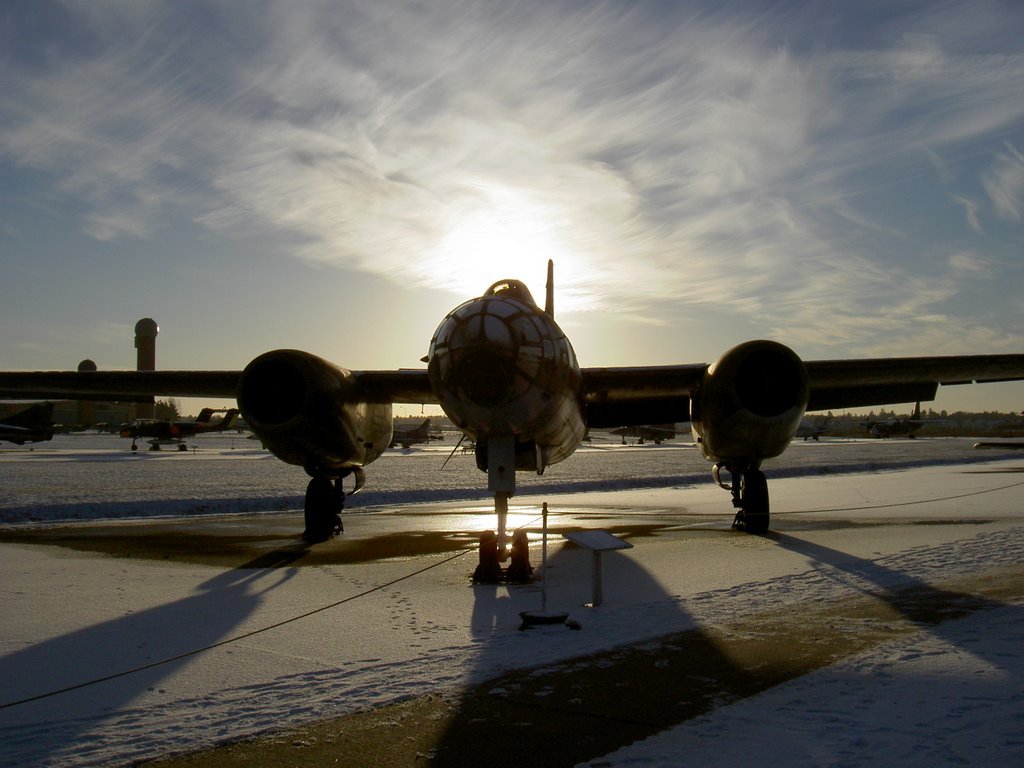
point(145, 342)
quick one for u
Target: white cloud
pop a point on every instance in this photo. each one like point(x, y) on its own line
point(970, 211)
point(680, 157)
point(966, 264)
point(1005, 184)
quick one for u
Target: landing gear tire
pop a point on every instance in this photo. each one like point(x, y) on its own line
point(754, 515)
point(324, 502)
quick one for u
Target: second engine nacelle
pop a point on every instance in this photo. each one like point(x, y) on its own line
point(750, 403)
point(304, 410)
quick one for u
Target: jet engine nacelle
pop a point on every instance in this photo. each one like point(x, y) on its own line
point(750, 403)
point(305, 411)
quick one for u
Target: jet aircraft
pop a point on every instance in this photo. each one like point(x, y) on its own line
point(174, 432)
point(886, 428)
point(658, 433)
point(809, 431)
point(506, 375)
point(409, 437)
point(33, 425)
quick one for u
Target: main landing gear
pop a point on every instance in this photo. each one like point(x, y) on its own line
point(325, 501)
point(749, 490)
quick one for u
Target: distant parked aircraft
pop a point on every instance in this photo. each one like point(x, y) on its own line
point(174, 432)
point(409, 437)
point(33, 425)
point(886, 428)
point(809, 431)
point(658, 433)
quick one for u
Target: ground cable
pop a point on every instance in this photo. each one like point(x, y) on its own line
point(228, 641)
point(903, 503)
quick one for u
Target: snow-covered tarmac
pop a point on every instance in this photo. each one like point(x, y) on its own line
point(113, 659)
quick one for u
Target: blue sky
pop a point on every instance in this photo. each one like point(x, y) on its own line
point(847, 178)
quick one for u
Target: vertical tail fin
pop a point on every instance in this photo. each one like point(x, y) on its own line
point(549, 291)
point(38, 415)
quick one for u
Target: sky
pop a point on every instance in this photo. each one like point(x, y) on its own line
point(335, 176)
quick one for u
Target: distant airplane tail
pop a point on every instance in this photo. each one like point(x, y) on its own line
point(205, 415)
point(32, 425)
point(229, 417)
point(38, 415)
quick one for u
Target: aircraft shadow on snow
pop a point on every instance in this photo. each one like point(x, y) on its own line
point(570, 710)
point(910, 597)
point(32, 733)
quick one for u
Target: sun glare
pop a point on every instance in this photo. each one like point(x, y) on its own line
point(519, 517)
point(506, 235)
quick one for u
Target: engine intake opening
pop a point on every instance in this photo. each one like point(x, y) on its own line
point(767, 382)
point(272, 391)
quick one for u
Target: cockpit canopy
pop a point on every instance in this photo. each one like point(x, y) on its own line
point(514, 289)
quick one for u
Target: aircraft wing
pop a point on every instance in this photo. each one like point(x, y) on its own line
point(410, 386)
point(124, 386)
point(627, 397)
point(614, 397)
point(855, 383)
point(617, 397)
point(399, 386)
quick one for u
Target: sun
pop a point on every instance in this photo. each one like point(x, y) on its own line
point(503, 233)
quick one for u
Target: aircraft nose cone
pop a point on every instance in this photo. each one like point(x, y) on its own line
point(484, 376)
point(474, 352)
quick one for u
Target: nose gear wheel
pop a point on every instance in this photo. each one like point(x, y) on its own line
point(325, 501)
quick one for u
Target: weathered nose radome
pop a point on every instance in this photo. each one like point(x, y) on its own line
point(501, 366)
point(484, 376)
